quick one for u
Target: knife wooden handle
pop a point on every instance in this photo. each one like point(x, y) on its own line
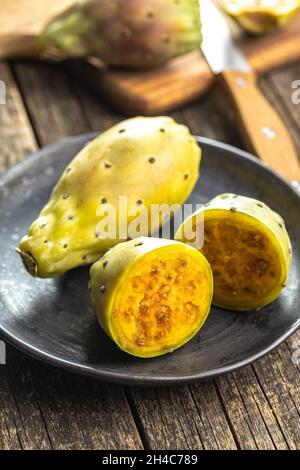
point(264, 131)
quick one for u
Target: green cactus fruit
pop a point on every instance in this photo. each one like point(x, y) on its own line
point(248, 248)
point(135, 33)
point(151, 295)
point(259, 17)
point(145, 160)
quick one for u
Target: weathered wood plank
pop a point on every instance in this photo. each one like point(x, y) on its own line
point(54, 409)
point(30, 426)
point(17, 138)
point(250, 413)
point(21, 421)
point(8, 427)
point(175, 418)
point(53, 111)
point(103, 409)
point(278, 88)
point(83, 414)
point(280, 379)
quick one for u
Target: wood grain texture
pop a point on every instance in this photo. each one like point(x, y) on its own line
point(47, 408)
point(53, 111)
point(42, 407)
point(17, 137)
point(249, 412)
point(279, 378)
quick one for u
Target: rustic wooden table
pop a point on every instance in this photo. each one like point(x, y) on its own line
point(42, 407)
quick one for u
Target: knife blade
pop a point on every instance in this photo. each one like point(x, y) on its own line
point(218, 44)
point(265, 133)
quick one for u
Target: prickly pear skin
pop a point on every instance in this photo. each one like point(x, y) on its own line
point(148, 160)
point(135, 33)
point(261, 17)
point(256, 218)
point(137, 282)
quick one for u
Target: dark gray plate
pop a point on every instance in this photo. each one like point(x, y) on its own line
point(52, 320)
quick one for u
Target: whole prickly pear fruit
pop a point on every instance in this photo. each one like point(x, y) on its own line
point(258, 17)
point(134, 33)
point(248, 248)
point(151, 295)
point(137, 163)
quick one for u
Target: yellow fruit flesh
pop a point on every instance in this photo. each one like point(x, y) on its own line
point(246, 260)
point(162, 302)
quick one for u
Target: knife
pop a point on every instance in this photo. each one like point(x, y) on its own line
point(264, 132)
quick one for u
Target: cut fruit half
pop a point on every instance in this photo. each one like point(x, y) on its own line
point(249, 251)
point(151, 296)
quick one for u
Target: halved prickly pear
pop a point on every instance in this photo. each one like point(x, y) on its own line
point(119, 175)
point(248, 248)
point(151, 295)
point(261, 16)
point(131, 33)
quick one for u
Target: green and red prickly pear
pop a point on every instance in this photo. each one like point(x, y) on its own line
point(151, 295)
point(248, 248)
point(146, 160)
point(135, 33)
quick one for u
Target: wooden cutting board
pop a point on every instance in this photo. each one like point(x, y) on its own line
point(145, 92)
